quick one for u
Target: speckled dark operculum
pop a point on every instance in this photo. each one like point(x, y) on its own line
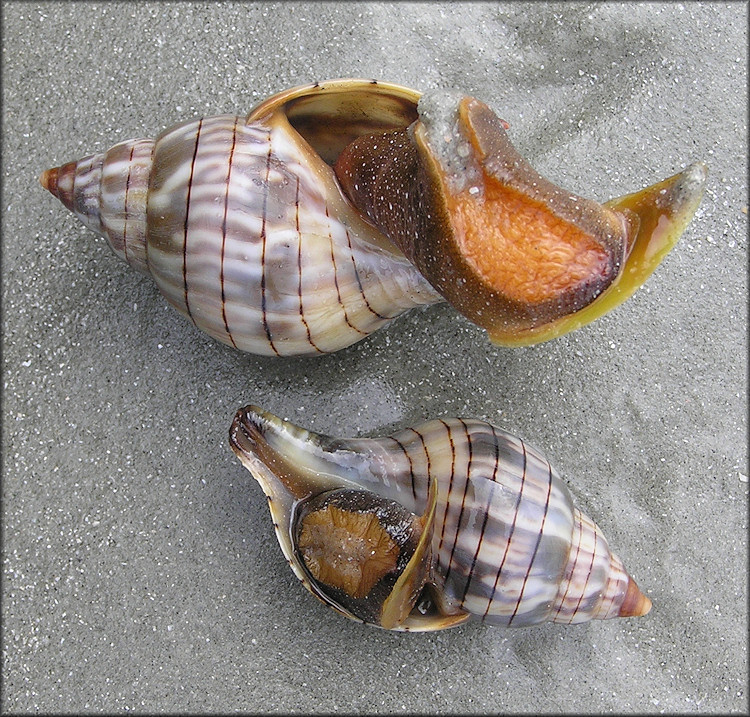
point(244, 227)
point(377, 173)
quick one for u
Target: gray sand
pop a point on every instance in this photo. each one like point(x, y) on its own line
point(140, 571)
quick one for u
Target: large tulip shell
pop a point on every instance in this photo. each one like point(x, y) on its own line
point(249, 232)
point(487, 528)
point(242, 224)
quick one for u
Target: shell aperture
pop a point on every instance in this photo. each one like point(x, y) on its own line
point(434, 525)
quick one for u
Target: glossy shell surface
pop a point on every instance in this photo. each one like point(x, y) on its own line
point(508, 546)
point(242, 224)
point(335, 207)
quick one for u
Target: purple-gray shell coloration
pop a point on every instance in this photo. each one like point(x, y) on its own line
point(431, 526)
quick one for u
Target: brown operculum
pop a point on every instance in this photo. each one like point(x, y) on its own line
point(348, 550)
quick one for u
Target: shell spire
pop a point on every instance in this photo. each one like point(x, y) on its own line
point(595, 584)
point(108, 193)
point(489, 529)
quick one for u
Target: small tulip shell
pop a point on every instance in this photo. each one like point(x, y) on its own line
point(487, 530)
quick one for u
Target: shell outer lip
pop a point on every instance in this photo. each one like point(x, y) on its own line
point(337, 85)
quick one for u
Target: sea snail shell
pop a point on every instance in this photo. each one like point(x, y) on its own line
point(434, 525)
point(335, 207)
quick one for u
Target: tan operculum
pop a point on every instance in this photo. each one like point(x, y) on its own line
point(348, 550)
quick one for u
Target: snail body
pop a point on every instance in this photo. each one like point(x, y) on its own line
point(432, 526)
point(335, 207)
